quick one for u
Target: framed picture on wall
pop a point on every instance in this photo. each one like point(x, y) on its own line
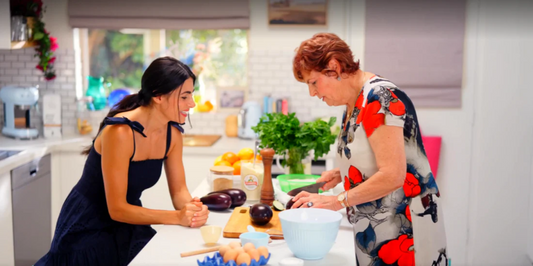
point(297, 12)
point(230, 98)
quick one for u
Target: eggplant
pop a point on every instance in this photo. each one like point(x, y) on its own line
point(289, 204)
point(260, 213)
point(238, 197)
point(216, 201)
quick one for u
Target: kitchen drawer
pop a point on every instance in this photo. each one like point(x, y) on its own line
point(28, 171)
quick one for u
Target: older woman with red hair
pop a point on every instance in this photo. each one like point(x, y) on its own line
point(390, 194)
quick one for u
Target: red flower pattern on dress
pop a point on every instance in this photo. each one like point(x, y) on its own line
point(371, 118)
point(396, 106)
point(411, 186)
point(354, 177)
point(397, 250)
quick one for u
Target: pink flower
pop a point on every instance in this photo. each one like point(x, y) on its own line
point(54, 47)
point(52, 60)
point(53, 40)
point(39, 67)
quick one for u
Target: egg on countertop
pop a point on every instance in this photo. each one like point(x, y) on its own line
point(239, 250)
point(248, 246)
point(235, 244)
point(263, 251)
point(254, 254)
point(223, 249)
point(230, 255)
point(244, 258)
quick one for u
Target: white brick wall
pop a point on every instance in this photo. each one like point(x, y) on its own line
point(270, 73)
point(17, 67)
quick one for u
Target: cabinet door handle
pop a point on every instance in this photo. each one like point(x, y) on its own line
point(33, 172)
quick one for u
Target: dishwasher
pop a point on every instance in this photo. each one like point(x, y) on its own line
point(32, 220)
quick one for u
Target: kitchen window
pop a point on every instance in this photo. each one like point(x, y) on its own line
point(218, 57)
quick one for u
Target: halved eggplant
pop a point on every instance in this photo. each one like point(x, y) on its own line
point(238, 197)
point(216, 201)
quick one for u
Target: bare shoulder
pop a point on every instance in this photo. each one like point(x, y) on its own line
point(176, 141)
point(117, 136)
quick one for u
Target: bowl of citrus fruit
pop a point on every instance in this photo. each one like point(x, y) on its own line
point(234, 160)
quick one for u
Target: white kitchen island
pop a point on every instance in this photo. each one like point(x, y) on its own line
point(170, 241)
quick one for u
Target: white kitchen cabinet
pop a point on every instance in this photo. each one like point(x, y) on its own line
point(5, 25)
point(6, 221)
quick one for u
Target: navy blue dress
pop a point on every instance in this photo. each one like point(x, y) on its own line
point(85, 233)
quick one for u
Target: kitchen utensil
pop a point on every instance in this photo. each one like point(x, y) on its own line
point(200, 251)
point(259, 239)
point(240, 219)
point(18, 102)
point(274, 233)
point(267, 191)
point(310, 232)
point(291, 181)
point(249, 116)
point(310, 188)
point(210, 233)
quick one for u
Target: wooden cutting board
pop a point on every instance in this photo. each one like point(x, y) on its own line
point(240, 219)
point(200, 140)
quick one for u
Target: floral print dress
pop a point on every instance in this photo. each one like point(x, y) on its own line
point(406, 226)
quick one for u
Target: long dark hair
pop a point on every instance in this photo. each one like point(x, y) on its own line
point(163, 76)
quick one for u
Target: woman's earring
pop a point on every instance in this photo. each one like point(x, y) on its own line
point(339, 78)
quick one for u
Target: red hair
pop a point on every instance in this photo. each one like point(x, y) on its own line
point(316, 52)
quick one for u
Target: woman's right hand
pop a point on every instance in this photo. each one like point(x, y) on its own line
point(331, 177)
point(193, 214)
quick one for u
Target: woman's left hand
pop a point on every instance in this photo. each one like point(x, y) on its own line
point(312, 200)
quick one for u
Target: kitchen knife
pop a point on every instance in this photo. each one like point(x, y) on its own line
point(309, 188)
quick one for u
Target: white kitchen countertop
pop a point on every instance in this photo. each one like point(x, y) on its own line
point(170, 241)
point(34, 149)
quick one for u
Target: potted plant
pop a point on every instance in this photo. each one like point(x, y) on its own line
point(45, 44)
point(294, 140)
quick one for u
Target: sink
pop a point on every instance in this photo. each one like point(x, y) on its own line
point(200, 140)
point(7, 154)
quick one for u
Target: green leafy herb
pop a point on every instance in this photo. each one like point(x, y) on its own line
point(287, 136)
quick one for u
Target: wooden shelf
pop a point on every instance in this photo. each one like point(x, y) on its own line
point(23, 44)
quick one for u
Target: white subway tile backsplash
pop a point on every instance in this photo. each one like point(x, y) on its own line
point(17, 67)
point(11, 57)
point(11, 71)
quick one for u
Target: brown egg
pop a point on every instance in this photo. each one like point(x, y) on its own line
point(230, 255)
point(244, 258)
point(239, 250)
point(248, 246)
point(222, 250)
point(235, 244)
point(263, 251)
point(254, 254)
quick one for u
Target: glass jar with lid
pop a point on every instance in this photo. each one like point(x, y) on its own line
point(221, 177)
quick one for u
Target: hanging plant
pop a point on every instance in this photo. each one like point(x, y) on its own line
point(45, 45)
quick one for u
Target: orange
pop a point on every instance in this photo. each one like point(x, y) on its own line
point(237, 168)
point(218, 159)
point(258, 157)
point(230, 157)
point(225, 163)
point(246, 154)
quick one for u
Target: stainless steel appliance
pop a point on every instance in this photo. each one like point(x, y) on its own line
point(18, 102)
point(32, 218)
